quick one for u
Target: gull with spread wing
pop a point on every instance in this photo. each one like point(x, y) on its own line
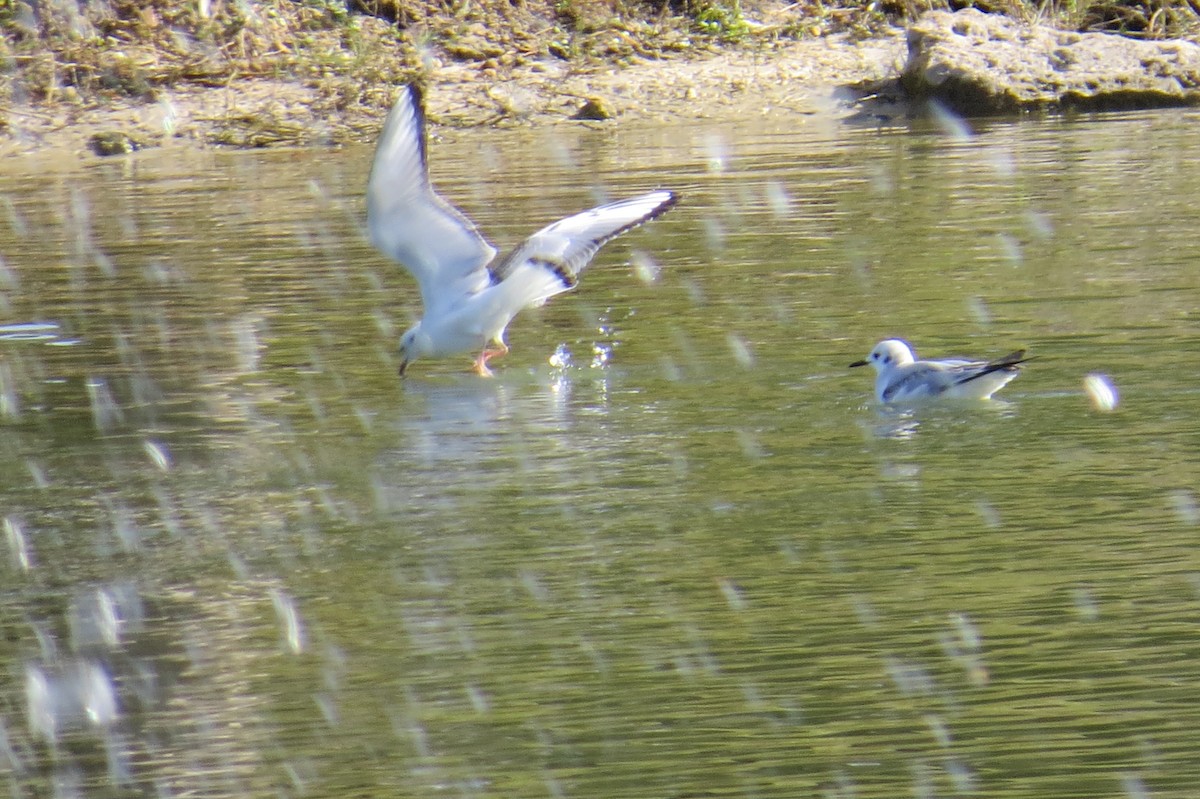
point(900, 377)
point(469, 300)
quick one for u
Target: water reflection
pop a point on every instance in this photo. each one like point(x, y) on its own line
point(687, 555)
point(904, 422)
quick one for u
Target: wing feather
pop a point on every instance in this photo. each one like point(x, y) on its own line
point(550, 261)
point(1007, 363)
point(923, 378)
point(410, 223)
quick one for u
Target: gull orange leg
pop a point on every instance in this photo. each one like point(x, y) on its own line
point(481, 367)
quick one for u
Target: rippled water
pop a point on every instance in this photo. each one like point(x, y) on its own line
point(242, 558)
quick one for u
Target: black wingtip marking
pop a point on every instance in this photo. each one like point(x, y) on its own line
point(556, 268)
point(1008, 363)
point(560, 270)
point(666, 205)
point(416, 98)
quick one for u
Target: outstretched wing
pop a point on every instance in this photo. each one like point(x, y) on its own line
point(410, 223)
point(549, 262)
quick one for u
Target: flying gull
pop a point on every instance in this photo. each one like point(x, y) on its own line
point(468, 299)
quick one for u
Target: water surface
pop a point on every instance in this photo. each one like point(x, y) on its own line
point(242, 558)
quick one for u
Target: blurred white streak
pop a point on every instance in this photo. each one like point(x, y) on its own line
point(8, 278)
point(923, 783)
point(167, 114)
point(169, 516)
point(716, 154)
point(328, 708)
point(103, 617)
point(979, 309)
point(645, 267)
point(10, 761)
point(732, 593)
point(1039, 224)
point(562, 155)
point(961, 778)
point(81, 220)
point(478, 698)
point(1085, 604)
point(158, 454)
point(881, 181)
point(533, 586)
point(553, 786)
point(941, 733)
point(38, 474)
point(968, 633)
point(10, 404)
point(949, 123)
point(778, 199)
point(248, 347)
point(81, 693)
point(1184, 502)
point(39, 708)
point(910, 678)
point(741, 350)
point(18, 547)
point(106, 414)
point(293, 630)
point(1010, 248)
point(1134, 787)
point(965, 646)
point(384, 324)
point(670, 370)
point(15, 220)
point(988, 513)
point(694, 290)
point(1101, 392)
point(1002, 161)
point(93, 621)
point(864, 611)
point(714, 234)
point(751, 448)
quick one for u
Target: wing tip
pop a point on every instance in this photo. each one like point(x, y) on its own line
point(670, 201)
point(1010, 363)
point(1012, 360)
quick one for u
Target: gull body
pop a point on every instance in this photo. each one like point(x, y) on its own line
point(901, 378)
point(468, 300)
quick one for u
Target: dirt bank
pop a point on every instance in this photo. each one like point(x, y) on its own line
point(792, 76)
point(100, 77)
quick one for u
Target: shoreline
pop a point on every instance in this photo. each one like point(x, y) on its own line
point(789, 76)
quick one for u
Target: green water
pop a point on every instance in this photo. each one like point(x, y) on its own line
point(242, 558)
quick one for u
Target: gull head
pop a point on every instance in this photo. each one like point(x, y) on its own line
point(888, 354)
point(413, 344)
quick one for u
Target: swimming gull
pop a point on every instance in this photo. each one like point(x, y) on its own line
point(900, 377)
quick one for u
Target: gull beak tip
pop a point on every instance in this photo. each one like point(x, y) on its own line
point(856, 363)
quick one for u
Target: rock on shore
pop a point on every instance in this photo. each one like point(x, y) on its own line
point(975, 63)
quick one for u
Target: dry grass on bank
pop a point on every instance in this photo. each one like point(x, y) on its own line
point(347, 54)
